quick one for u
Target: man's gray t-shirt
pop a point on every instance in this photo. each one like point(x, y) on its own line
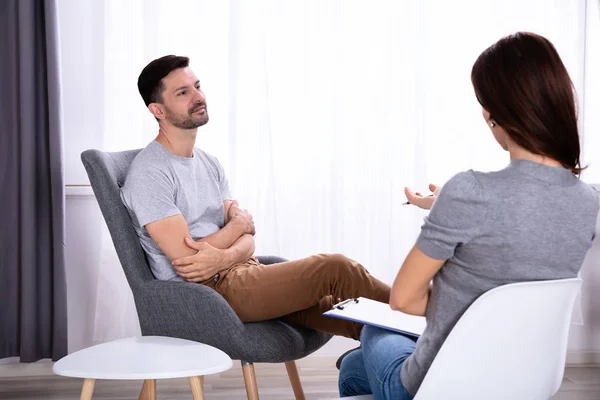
point(160, 184)
point(526, 222)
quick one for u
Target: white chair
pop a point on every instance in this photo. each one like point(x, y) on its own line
point(511, 343)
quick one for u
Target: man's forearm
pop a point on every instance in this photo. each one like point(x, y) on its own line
point(240, 251)
point(226, 237)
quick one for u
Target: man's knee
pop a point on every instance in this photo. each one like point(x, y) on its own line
point(343, 264)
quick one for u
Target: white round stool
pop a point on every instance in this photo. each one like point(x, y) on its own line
point(148, 358)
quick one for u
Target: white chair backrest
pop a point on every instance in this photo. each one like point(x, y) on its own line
point(511, 343)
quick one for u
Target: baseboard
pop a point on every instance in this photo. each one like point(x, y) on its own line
point(579, 357)
point(10, 360)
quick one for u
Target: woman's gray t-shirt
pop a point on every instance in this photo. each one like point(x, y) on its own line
point(526, 222)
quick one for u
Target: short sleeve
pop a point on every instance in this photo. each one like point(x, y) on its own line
point(222, 178)
point(150, 196)
point(455, 218)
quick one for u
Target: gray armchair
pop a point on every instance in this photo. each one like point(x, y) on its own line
point(189, 310)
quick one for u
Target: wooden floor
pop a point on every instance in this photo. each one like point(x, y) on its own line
point(318, 375)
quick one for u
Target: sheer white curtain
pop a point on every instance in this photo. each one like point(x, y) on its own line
point(322, 111)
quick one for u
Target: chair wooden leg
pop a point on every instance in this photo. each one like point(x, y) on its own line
point(250, 380)
point(292, 371)
point(87, 389)
point(197, 383)
point(148, 390)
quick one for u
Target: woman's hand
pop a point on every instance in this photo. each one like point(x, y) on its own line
point(417, 199)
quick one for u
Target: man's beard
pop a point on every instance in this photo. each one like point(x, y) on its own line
point(189, 121)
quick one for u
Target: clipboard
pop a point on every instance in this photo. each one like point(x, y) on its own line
point(375, 313)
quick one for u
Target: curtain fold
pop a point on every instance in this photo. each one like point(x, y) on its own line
point(32, 273)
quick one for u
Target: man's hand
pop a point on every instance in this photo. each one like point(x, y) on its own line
point(241, 216)
point(424, 202)
point(232, 210)
point(203, 265)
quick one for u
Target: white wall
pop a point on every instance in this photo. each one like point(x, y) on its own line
point(584, 340)
point(82, 71)
point(591, 100)
point(84, 223)
point(83, 257)
point(83, 128)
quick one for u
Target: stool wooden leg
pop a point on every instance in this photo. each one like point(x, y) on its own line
point(197, 383)
point(151, 383)
point(250, 380)
point(292, 371)
point(148, 390)
point(87, 389)
point(144, 392)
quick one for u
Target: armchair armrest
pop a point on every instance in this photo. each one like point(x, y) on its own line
point(267, 260)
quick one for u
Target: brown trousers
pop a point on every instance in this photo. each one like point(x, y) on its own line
point(299, 291)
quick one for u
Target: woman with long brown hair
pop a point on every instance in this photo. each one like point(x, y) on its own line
point(489, 229)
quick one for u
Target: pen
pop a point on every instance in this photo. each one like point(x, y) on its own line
point(407, 203)
point(340, 305)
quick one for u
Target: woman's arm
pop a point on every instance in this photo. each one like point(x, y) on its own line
point(456, 218)
point(410, 292)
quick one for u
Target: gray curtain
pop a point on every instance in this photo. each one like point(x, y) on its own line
point(33, 311)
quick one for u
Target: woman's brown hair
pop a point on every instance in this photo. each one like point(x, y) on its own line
point(522, 82)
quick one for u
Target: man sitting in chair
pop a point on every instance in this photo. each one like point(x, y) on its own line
point(191, 228)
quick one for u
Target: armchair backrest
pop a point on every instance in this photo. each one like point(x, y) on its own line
point(107, 173)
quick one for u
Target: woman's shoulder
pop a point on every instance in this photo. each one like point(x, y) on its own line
point(490, 185)
point(465, 184)
point(588, 190)
point(466, 179)
point(587, 195)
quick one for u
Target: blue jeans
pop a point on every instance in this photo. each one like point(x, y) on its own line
point(375, 367)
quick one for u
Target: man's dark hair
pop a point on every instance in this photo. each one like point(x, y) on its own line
point(150, 80)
